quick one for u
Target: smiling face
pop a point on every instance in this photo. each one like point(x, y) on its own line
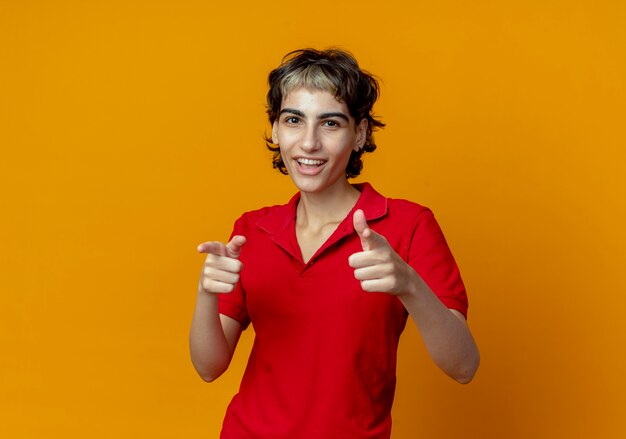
point(316, 135)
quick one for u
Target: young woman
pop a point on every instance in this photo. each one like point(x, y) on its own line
point(328, 279)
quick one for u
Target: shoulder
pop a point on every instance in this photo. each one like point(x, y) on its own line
point(396, 217)
point(268, 218)
point(256, 214)
point(407, 212)
point(252, 216)
point(376, 204)
point(415, 218)
point(411, 220)
point(406, 207)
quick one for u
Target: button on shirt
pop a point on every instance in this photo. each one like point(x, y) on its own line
point(323, 361)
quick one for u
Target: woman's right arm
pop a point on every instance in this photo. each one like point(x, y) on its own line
point(213, 336)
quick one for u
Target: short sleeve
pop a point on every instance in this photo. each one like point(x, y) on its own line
point(432, 259)
point(233, 304)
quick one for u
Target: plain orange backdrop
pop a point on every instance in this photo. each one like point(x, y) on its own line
point(131, 131)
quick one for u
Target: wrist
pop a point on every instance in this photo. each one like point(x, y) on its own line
point(414, 286)
point(206, 296)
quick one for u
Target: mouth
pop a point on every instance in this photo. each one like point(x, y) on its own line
point(309, 162)
point(308, 166)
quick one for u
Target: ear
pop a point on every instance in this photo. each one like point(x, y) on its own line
point(275, 132)
point(361, 134)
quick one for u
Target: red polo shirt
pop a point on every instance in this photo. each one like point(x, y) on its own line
point(323, 362)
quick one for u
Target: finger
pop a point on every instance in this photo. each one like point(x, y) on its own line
point(213, 273)
point(370, 240)
point(214, 286)
point(233, 248)
point(373, 272)
point(368, 258)
point(223, 263)
point(212, 247)
point(360, 226)
point(376, 240)
point(376, 285)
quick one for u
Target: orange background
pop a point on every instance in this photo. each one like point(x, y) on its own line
point(131, 131)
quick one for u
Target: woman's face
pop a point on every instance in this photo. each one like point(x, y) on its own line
point(316, 135)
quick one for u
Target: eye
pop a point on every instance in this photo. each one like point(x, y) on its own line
point(331, 123)
point(292, 120)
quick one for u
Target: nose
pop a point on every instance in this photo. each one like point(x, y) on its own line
point(310, 140)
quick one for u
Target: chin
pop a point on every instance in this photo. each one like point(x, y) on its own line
point(314, 185)
point(309, 187)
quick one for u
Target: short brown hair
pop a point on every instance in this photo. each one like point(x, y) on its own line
point(337, 72)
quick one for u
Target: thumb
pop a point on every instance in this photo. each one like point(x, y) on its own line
point(360, 226)
point(369, 239)
point(233, 248)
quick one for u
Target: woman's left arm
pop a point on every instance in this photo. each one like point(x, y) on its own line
point(444, 331)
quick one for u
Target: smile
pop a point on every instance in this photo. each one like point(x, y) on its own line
point(310, 162)
point(309, 167)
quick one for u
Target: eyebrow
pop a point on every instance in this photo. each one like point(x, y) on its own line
point(321, 116)
point(335, 114)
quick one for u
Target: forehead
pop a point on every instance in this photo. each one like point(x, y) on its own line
point(311, 99)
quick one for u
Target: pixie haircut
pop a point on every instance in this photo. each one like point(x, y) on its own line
point(337, 72)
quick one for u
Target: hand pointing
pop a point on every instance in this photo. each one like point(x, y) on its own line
point(378, 266)
point(221, 267)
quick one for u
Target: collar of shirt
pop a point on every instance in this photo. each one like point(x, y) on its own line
point(279, 221)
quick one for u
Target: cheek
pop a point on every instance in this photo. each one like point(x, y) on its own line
point(342, 156)
point(285, 151)
point(285, 138)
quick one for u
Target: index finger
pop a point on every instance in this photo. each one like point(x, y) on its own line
point(365, 258)
point(212, 247)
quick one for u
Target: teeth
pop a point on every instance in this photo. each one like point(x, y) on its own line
point(310, 162)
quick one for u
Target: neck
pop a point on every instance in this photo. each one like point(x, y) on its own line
point(330, 206)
